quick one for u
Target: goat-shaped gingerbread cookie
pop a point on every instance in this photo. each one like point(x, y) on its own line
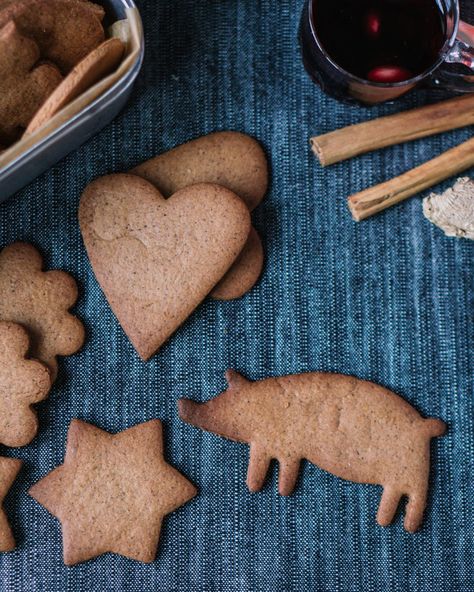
point(352, 428)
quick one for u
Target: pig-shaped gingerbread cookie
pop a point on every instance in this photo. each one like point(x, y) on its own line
point(352, 428)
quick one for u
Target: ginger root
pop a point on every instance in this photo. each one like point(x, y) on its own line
point(453, 210)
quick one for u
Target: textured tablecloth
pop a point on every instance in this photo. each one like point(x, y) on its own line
point(390, 300)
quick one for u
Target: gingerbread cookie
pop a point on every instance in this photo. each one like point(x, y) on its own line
point(24, 87)
point(156, 259)
point(352, 428)
point(230, 159)
point(112, 492)
point(23, 382)
point(100, 62)
point(9, 468)
point(40, 301)
point(244, 273)
point(65, 30)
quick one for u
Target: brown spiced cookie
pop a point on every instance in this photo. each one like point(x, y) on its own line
point(112, 492)
point(233, 160)
point(244, 273)
point(156, 259)
point(40, 301)
point(9, 468)
point(65, 30)
point(230, 159)
point(23, 382)
point(24, 86)
point(95, 66)
point(352, 428)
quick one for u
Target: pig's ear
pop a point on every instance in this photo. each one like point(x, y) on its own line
point(235, 380)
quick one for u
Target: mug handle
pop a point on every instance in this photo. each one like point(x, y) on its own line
point(462, 53)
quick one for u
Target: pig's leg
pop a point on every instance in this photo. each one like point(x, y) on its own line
point(415, 509)
point(289, 469)
point(258, 467)
point(388, 505)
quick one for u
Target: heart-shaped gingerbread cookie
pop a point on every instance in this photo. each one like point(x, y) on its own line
point(233, 160)
point(156, 259)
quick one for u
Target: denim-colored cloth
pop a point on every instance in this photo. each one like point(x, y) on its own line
point(390, 300)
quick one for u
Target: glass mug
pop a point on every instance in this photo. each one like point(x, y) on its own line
point(456, 47)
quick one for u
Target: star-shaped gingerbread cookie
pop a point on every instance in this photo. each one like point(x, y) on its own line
point(112, 492)
point(23, 382)
point(9, 468)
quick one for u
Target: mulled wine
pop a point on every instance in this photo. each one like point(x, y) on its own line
point(378, 41)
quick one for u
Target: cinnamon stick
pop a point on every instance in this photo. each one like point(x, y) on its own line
point(378, 198)
point(394, 129)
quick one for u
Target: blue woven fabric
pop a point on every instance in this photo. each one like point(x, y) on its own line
point(390, 300)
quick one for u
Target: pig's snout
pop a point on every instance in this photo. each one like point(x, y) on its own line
point(189, 411)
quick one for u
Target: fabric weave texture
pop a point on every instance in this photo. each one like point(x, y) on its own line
point(390, 299)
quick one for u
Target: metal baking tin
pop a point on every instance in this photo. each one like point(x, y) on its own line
point(79, 128)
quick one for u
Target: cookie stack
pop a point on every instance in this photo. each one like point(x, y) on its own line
point(50, 52)
point(34, 320)
point(173, 230)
